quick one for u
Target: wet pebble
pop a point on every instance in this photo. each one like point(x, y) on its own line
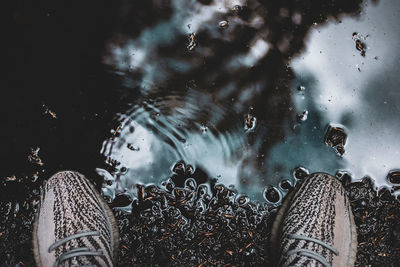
point(271, 194)
point(300, 173)
point(285, 184)
point(394, 176)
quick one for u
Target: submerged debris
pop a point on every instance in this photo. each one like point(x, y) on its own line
point(223, 24)
point(191, 42)
point(360, 45)
point(250, 121)
point(336, 137)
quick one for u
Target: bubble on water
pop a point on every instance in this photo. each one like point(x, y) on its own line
point(394, 176)
point(302, 116)
point(223, 24)
point(336, 137)
point(301, 88)
point(271, 194)
point(300, 173)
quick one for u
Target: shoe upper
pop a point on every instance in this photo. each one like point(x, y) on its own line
point(315, 225)
point(74, 226)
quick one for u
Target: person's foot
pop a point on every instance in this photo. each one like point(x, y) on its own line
point(315, 225)
point(73, 226)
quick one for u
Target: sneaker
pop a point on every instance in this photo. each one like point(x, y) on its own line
point(73, 226)
point(315, 225)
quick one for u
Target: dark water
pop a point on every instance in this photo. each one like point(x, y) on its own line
point(243, 91)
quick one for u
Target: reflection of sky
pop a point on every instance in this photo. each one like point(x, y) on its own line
point(366, 101)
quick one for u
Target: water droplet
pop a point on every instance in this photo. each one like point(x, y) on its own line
point(300, 173)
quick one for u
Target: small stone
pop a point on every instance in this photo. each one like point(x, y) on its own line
point(300, 173)
point(285, 184)
point(179, 168)
point(271, 194)
point(394, 176)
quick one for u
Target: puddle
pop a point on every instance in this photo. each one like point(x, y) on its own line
point(220, 113)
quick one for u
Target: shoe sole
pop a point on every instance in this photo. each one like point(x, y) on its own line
point(110, 216)
point(276, 227)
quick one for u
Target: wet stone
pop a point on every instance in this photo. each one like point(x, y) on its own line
point(336, 137)
point(343, 176)
point(271, 194)
point(285, 184)
point(300, 173)
point(179, 168)
point(185, 228)
point(394, 176)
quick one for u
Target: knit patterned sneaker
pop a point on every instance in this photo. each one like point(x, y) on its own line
point(74, 226)
point(315, 225)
